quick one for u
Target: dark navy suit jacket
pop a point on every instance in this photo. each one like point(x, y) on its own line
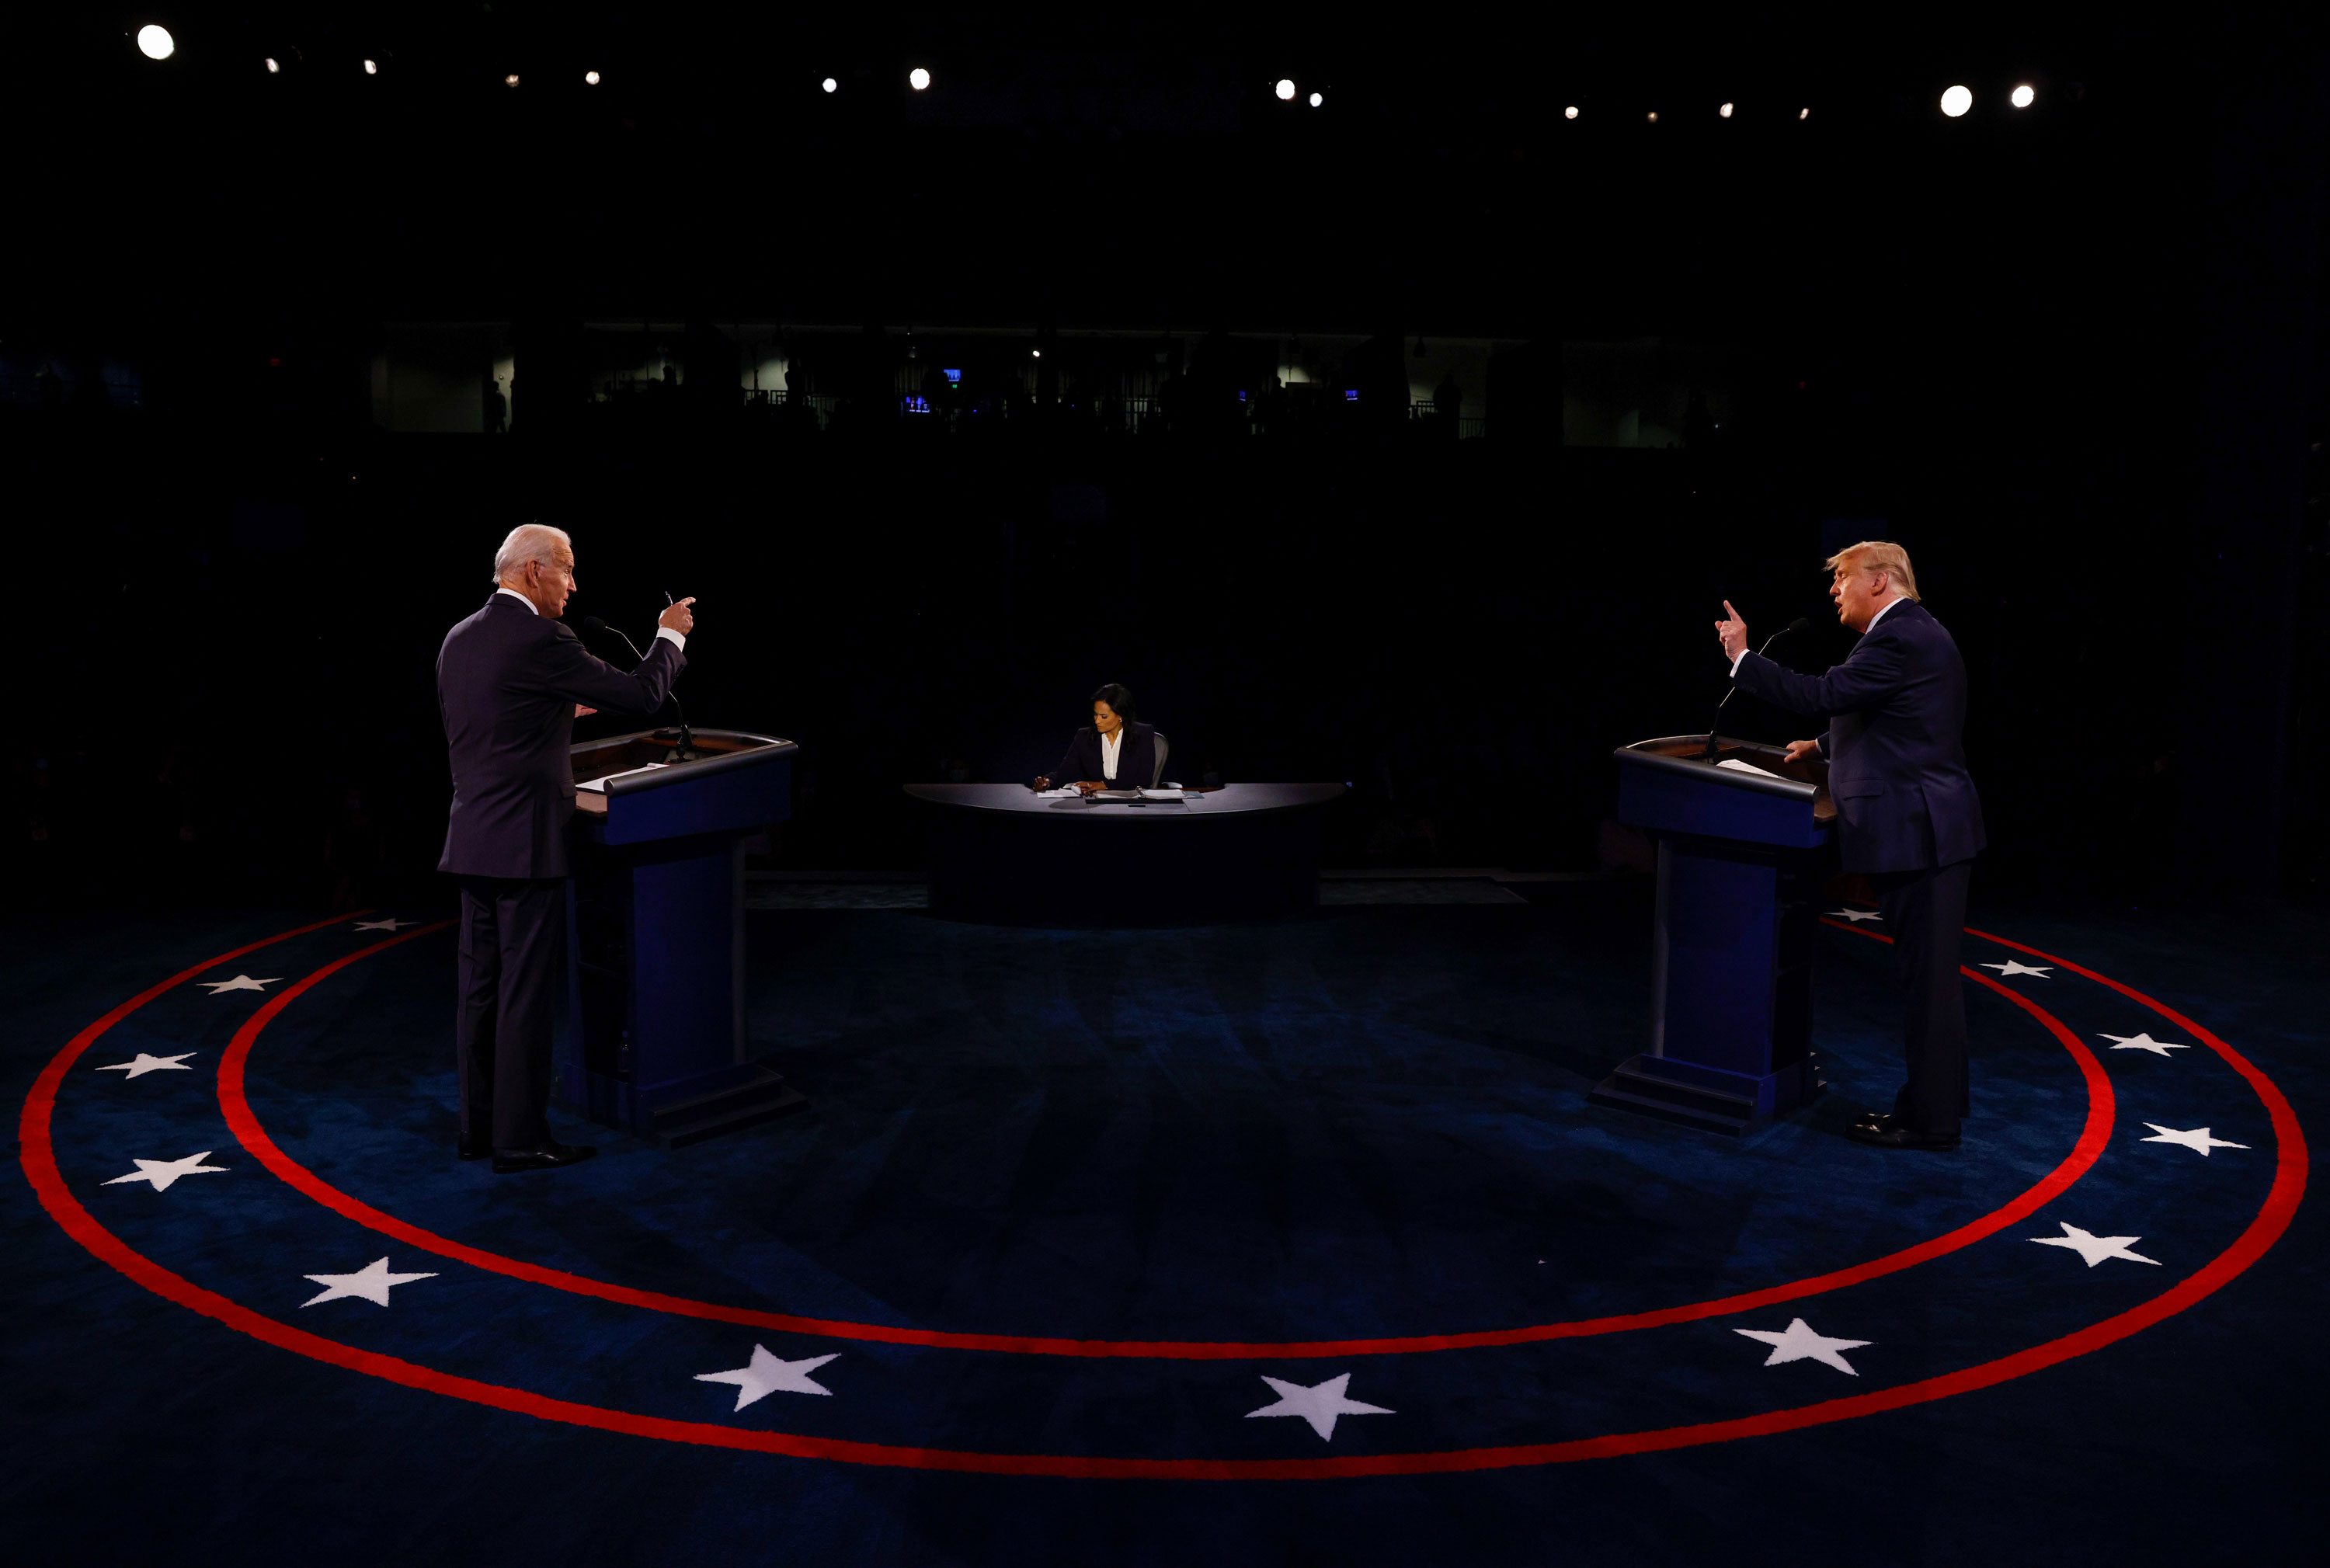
point(1896, 761)
point(507, 681)
point(1136, 757)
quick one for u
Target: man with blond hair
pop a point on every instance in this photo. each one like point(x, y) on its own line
point(1908, 817)
point(511, 681)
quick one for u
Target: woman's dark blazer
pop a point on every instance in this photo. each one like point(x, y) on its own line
point(1136, 757)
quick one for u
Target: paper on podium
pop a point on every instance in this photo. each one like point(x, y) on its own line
point(1737, 765)
point(600, 783)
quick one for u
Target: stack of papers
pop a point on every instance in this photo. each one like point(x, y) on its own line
point(1737, 765)
point(600, 783)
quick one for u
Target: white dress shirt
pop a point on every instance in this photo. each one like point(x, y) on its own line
point(1109, 747)
point(664, 631)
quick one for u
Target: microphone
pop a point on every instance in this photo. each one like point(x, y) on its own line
point(686, 752)
point(1801, 623)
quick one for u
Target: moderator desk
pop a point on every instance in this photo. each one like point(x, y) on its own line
point(1000, 852)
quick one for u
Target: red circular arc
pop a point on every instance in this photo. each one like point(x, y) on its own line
point(245, 1124)
point(2267, 1227)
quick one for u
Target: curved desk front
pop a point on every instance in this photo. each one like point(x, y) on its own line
point(1000, 852)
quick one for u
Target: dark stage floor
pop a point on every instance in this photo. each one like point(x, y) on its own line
point(1284, 1244)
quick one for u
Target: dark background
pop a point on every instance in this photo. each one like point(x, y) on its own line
point(2069, 358)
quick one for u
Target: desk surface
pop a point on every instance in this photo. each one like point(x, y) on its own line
point(1229, 800)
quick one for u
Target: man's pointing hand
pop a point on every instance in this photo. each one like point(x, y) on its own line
point(1732, 633)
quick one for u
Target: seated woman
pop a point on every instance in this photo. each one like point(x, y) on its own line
point(1114, 753)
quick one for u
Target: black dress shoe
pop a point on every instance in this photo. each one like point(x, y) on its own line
point(549, 1156)
point(474, 1147)
point(1894, 1135)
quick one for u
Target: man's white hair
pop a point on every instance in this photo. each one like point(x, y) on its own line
point(531, 541)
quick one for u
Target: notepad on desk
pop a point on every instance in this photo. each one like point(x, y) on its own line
point(600, 783)
point(1737, 765)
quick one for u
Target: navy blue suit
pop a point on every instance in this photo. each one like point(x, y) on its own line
point(1136, 758)
point(1907, 818)
point(507, 680)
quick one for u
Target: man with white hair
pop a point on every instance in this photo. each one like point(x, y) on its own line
point(511, 681)
point(1908, 817)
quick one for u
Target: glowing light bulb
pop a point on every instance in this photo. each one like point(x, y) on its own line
point(1317, 98)
point(371, 67)
point(271, 67)
point(1569, 113)
point(1803, 114)
point(918, 78)
point(2024, 95)
point(1284, 89)
point(511, 79)
point(1956, 100)
point(830, 85)
point(1725, 111)
point(154, 43)
point(591, 78)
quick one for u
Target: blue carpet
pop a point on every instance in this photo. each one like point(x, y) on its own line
point(1362, 1127)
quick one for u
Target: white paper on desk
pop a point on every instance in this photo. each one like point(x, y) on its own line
point(1737, 765)
point(1062, 793)
point(1162, 794)
point(600, 783)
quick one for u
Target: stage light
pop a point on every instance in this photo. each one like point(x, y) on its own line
point(918, 78)
point(271, 67)
point(1284, 89)
point(2024, 95)
point(1956, 100)
point(1725, 111)
point(591, 78)
point(510, 80)
point(1654, 116)
point(830, 85)
point(1803, 114)
point(371, 67)
point(1036, 352)
point(1317, 98)
point(1569, 113)
point(154, 43)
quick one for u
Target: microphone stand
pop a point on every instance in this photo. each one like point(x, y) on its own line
point(686, 751)
point(1799, 624)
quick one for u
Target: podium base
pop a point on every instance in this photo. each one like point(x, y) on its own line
point(1708, 1097)
point(674, 1115)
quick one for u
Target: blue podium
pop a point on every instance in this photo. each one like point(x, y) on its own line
point(1742, 864)
point(653, 1036)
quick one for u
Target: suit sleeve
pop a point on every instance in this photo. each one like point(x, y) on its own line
point(1873, 672)
point(567, 670)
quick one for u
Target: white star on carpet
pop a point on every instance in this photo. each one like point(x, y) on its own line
point(239, 983)
point(1801, 1344)
point(2094, 1248)
point(373, 1282)
point(767, 1375)
point(2143, 1042)
point(386, 925)
point(2009, 969)
point(163, 1172)
point(141, 1065)
point(1318, 1406)
point(1856, 915)
point(2198, 1138)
